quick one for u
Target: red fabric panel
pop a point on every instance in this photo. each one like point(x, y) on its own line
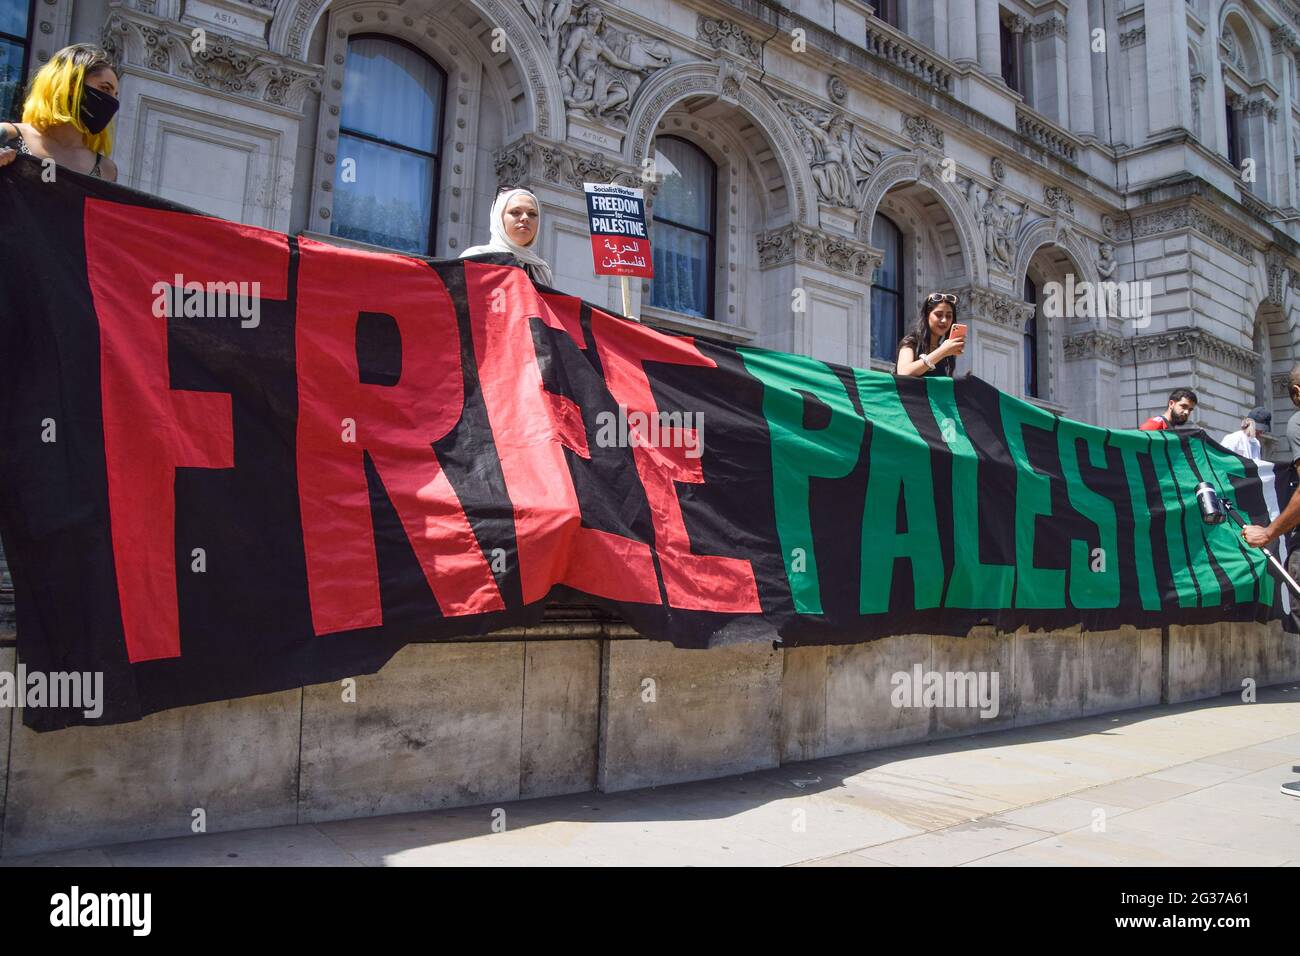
point(395, 424)
point(697, 582)
point(151, 429)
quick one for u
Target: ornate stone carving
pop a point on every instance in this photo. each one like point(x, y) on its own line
point(1284, 39)
point(725, 35)
point(1260, 105)
point(601, 68)
point(1276, 272)
point(731, 74)
point(997, 170)
point(998, 307)
point(836, 90)
point(1190, 343)
point(998, 222)
point(1183, 217)
point(1053, 26)
point(512, 163)
point(1133, 38)
point(1087, 345)
point(1058, 199)
point(563, 165)
point(531, 159)
point(1105, 260)
point(798, 243)
point(224, 64)
point(1232, 50)
point(840, 158)
point(920, 129)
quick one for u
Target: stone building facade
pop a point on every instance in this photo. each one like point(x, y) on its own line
point(836, 161)
point(964, 145)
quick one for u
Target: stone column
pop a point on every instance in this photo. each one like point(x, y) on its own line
point(961, 31)
point(1169, 87)
point(988, 37)
point(1079, 39)
point(997, 333)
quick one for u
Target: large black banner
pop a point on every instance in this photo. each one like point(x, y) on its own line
point(233, 461)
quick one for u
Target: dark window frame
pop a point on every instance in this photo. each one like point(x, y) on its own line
point(1233, 132)
point(442, 125)
point(891, 11)
point(711, 235)
point(1031, 343)
point(26, 43)
point(897, 293)
point(1012, 57)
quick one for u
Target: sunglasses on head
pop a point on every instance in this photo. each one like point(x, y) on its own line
point(936, 297)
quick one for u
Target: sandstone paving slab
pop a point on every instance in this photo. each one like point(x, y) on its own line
point(1251, 758)
point(1122, 846)
point(1236, 827)
point(1198, 773)
point(1266, 802)
point(1061, 814)
point(1137, 792)
point(955, 845)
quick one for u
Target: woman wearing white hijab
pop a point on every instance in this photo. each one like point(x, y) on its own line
point(513, 223)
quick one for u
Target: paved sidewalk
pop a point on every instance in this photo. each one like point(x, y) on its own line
point(1194, 784)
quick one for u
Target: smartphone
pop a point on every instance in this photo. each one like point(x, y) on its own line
point(958, 330)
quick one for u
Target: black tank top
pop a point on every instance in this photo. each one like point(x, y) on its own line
point(23, 148)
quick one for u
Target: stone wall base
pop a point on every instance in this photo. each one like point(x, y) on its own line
point(447, 725)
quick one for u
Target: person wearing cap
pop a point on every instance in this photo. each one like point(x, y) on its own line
point(1245, 440)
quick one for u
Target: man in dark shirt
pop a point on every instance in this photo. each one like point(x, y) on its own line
point(1182, 402)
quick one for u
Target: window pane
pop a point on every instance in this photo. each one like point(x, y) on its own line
point(681, 281)
point(886, 318)
point(1031, 358)
point(391, 201)
point(686, 191)
point(13, 17)
point(1031, 339)
point(885, 236)
point(393, 93)
point(11, 79)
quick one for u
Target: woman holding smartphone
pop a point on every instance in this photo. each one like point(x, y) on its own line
point(933, 346)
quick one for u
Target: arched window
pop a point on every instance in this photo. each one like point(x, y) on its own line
point(386, 172)
point(685, 228)
point(15, 24)
point(887, 290)
point(1031, 341)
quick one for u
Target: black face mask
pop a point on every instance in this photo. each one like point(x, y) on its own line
point(97, 109)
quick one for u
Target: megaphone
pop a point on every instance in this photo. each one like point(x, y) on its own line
point(1215, 510)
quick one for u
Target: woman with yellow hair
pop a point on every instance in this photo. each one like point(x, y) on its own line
point(67, 113)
